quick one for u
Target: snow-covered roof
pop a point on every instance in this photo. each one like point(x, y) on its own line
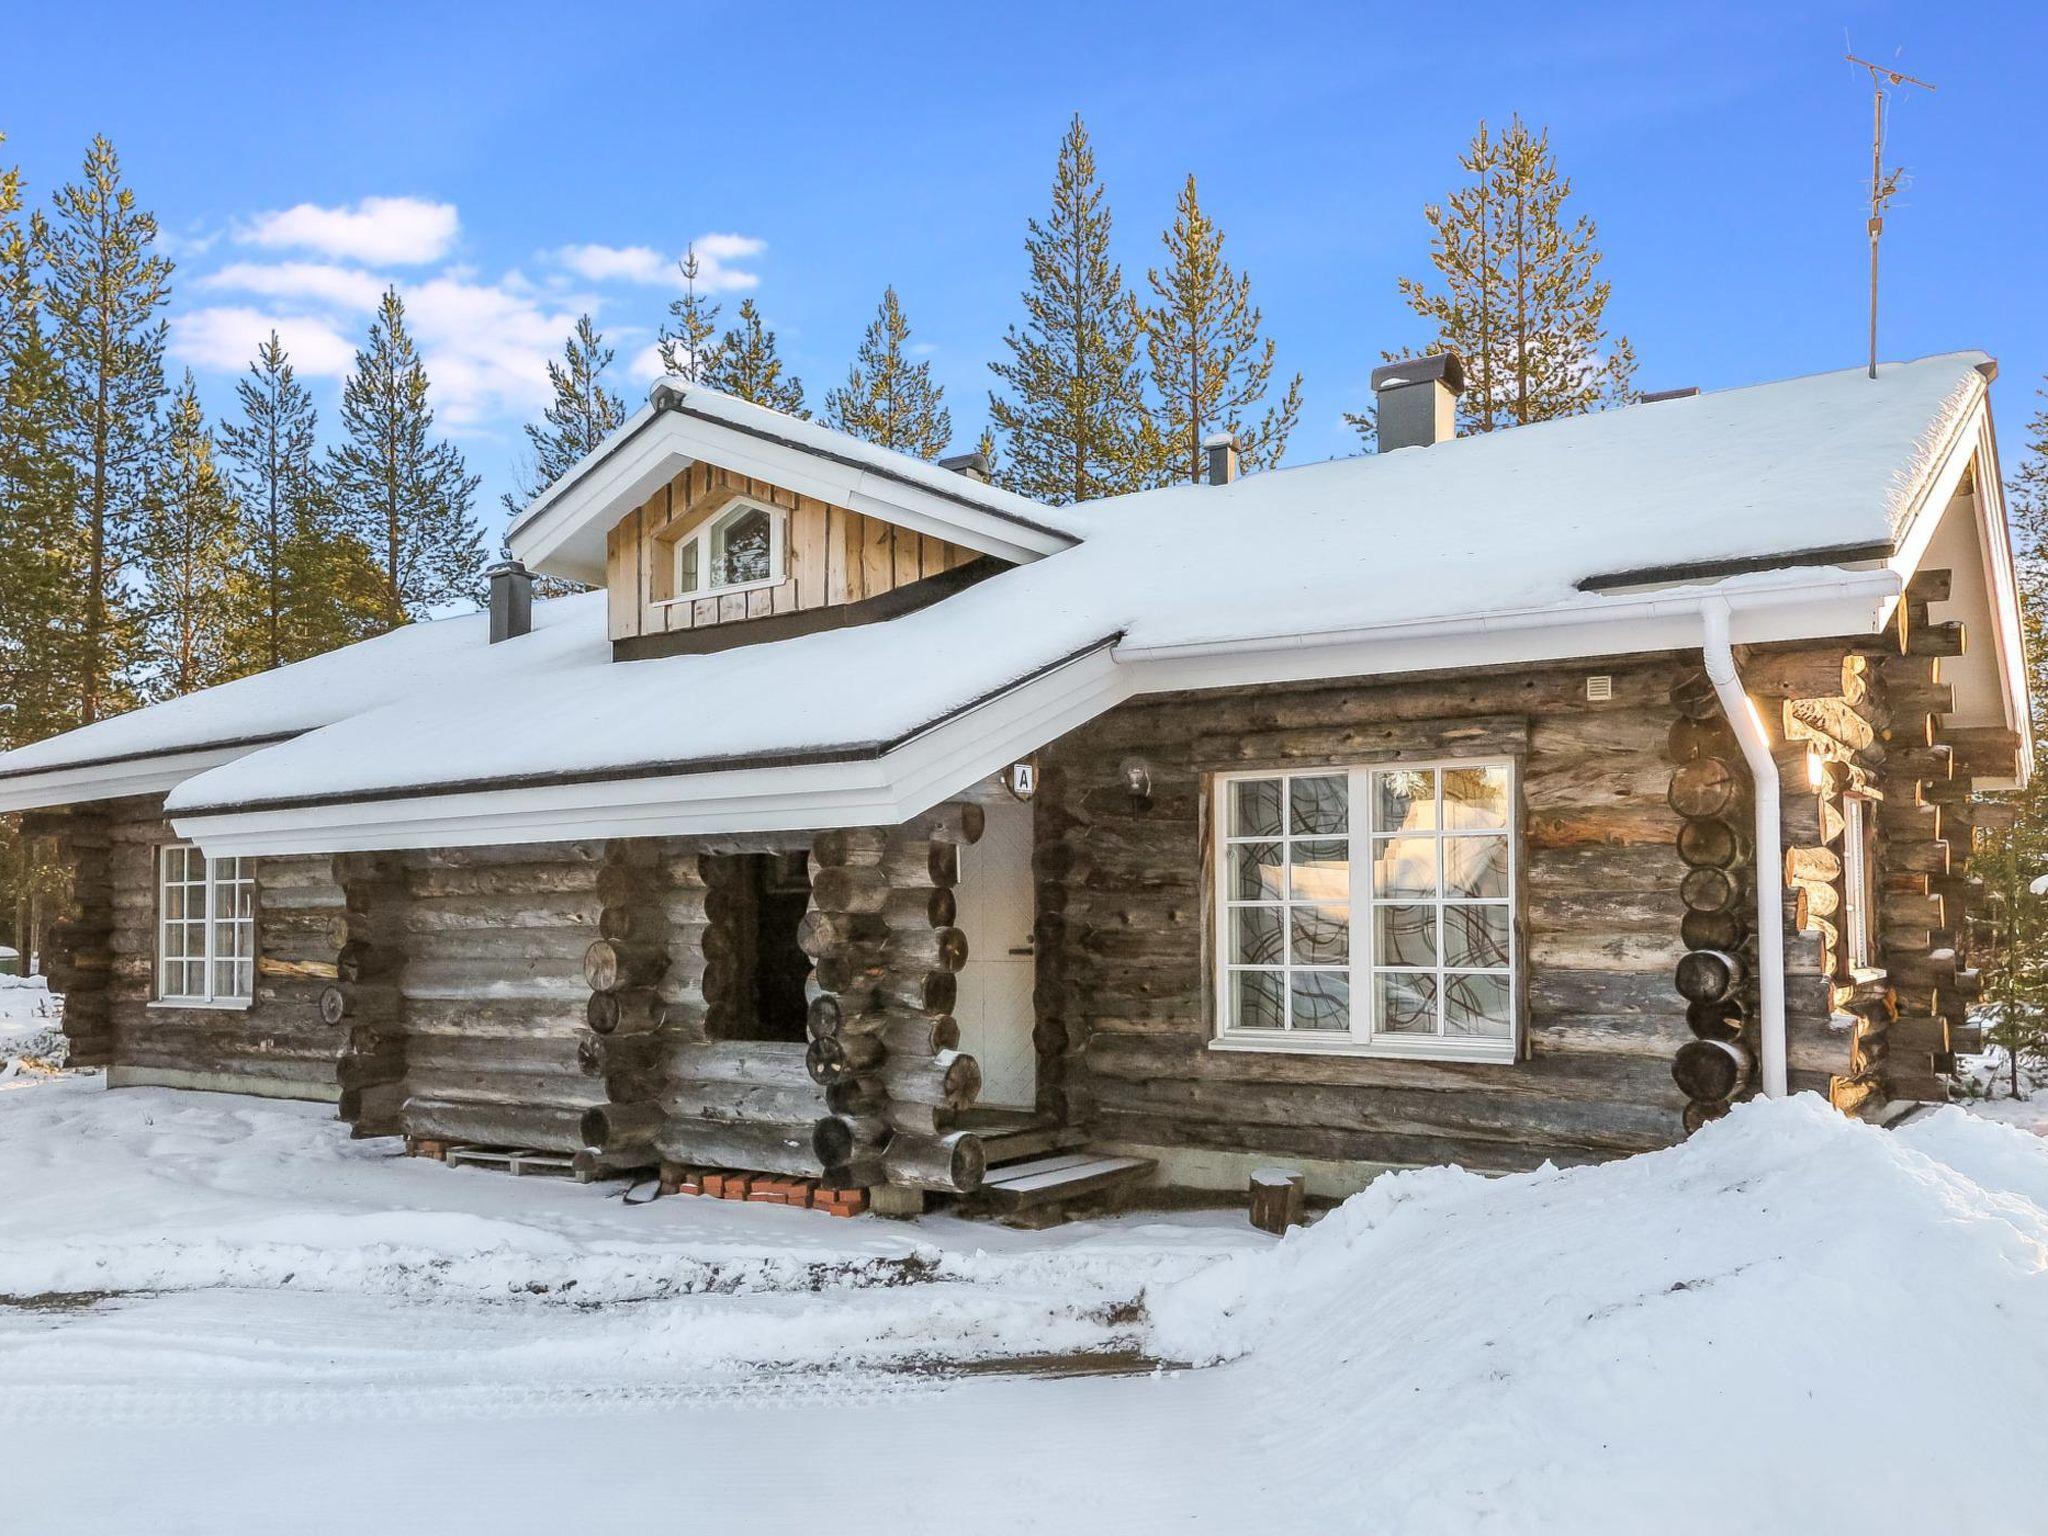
point(562, 532)
point(153, 748)
point(1798, 501)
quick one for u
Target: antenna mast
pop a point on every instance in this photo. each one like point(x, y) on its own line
point(1882, 187)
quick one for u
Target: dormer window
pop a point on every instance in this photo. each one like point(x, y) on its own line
point(745, 546)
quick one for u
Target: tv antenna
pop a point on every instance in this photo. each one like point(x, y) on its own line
point(1883, 188)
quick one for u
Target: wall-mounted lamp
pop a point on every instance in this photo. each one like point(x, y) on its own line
point(1816, 770)
point(1137, 777)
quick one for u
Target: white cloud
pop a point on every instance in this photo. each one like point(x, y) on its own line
point(645, 365)
point(349, 287)
point(400, 230)
point(715, 252)
point(717, 258)
point(226, 337)
point(486, 345)
point(617, 263)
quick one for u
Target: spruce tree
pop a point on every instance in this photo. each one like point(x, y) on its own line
point(104, 291)
point(2014, 859)
point(888, 399)
point(686, 338)
point(1211, 368)
point(276, 482)
point(1521, 300)
point(746, 365)
point(406, 494)
point(1073, 421)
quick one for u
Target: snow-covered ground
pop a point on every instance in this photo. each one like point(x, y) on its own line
point(31, 1022)
point(223, 1316)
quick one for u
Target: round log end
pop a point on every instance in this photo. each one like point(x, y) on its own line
point(1710, 1071)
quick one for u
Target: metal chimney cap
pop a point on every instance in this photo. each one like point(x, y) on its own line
point(1438, 367)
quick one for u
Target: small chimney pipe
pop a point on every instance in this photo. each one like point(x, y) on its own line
point(511, 600)
point(1418, 400)
point(1219, 452)
point(973, 465)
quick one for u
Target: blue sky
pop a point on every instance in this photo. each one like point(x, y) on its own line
point(511, 164)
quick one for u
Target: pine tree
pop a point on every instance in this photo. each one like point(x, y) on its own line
point(404, 493)
point(1074, 420)
point(888, 399)
point(39, 573)
point(1210, 366)
point(204, 619)
point(746, 366)
point(1521, 302)
point(103, 294)
point(277, 484)
point(581, 414)
point(685, 341)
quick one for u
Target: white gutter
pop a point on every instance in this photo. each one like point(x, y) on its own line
point(1770, 890)
point(1875, 585)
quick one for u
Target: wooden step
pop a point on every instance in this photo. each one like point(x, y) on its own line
point(1008, 1146)
point(1061, 1177)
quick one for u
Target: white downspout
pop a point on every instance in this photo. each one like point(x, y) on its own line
point(1770, 890)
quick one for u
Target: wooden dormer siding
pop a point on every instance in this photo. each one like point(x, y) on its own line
point(835, 557)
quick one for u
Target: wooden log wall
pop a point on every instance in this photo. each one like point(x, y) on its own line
point(363, 1003)
point(1716, 976)
point(1869, 717)
point(1124, 1006)
point(883, 1042)
point(494, 994)
point(105, 962)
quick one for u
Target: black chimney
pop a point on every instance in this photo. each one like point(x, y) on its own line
point(511, 600)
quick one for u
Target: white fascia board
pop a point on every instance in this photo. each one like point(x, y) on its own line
point(1847, 603)
point(565, 537)
point(159, 774)
point(878, 791)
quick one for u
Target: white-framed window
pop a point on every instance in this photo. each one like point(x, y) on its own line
point(743, 547)
point(205, 928)
point(1859, 884)
point(1368, 910)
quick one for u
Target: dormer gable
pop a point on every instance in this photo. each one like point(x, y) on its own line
point(783, 517)
point(716, 558)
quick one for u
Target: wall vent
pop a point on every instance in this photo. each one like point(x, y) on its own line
point(1599, 688)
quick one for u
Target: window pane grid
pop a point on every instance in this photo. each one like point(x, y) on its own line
point(206, 927)
point(1368, 903)
point(1287, 890)
point(1441, 899)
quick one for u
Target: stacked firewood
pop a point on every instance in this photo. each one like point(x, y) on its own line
point(622, 1039)
point(363, 999)
point(1710, 788)
point(883, 1042)
point(82, 960)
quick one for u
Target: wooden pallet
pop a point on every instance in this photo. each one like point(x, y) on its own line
point(526, 1162)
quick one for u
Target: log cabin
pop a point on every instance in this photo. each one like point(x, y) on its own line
point(1490, 799)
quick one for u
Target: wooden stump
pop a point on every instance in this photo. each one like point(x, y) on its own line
point(1278, 1199)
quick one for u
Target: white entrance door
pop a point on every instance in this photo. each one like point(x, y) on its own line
point(995, 912)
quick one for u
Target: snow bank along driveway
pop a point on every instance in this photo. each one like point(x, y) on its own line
point(1737, 1334)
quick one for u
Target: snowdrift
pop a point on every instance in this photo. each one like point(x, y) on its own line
point(1790, 1322)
